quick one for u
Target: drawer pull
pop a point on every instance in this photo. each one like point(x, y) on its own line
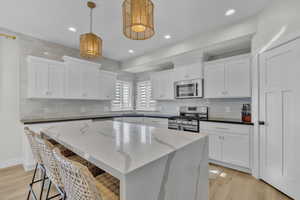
point(220, 128)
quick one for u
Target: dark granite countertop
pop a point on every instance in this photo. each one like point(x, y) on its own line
point(227, 120)
point(116, 115)
point(92, 117)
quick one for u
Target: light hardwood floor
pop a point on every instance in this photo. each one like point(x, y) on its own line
point(225, 184)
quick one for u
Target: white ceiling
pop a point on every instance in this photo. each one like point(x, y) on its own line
point(50, 19)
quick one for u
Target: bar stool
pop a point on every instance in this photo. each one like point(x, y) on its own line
point(79, 183)
point(49, 162)
point(39, 164)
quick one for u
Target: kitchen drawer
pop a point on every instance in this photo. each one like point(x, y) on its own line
point(156, 120)
point(161, 122)
point(137, 120)
point(224, 128)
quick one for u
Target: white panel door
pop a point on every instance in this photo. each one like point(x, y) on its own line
point(280, 108)
point(73, 82)
point(56, 75)
point(107, 85)
point(238, 78)
point(214, 80)
point(236, 149)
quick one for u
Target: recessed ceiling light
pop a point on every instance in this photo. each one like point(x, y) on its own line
point(72, 29)
point(230, 12)
point(130, 51)
point(167, 37)
point(46, 53)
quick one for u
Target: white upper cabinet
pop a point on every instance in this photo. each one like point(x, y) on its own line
point(90, 82)
point(107, 84)
point(188, 72)
point(45, 78)
point(214, 80)
point(163, 85)
point(85, 80)
point(238, 74)
point(72, 79)
point(228, 78)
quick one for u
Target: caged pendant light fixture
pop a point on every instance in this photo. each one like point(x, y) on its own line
point(90, 43)
point(138, 19)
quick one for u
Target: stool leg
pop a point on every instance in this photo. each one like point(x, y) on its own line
point(33, 178)
point(43, 184)
point(49, 187)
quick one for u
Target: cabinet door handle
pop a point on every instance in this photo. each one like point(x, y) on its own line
point(220, 128)
point(262, 123)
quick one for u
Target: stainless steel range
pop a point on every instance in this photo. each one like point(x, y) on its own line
point(189, 118)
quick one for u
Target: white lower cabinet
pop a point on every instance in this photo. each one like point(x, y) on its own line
point(156, 122)
point(229, 143)
point(215, 146)
point(236, 150)
point(149, 121)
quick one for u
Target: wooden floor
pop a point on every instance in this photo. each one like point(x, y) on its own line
point(225, 184)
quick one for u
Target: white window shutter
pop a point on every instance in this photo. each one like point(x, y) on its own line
point(123, 96)
point(144, 100)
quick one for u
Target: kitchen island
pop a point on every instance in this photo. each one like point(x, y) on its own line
point(151, 163)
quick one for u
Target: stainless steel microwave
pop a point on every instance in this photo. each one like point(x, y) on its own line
point(189, 89)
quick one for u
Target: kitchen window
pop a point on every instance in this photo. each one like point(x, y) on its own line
point(123, 96)
point(144, 101)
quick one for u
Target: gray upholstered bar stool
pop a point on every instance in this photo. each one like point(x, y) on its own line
point(79, 184)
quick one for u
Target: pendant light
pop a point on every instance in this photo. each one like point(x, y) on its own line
point(90, 43)
point(138, 19)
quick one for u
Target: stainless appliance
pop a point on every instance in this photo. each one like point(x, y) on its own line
point(188, 119)
point(189, 89)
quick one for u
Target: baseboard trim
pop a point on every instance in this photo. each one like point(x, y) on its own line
point(10, 163)
point(242, 169)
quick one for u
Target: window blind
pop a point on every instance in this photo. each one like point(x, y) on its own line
point(144, 99)
point(123, 96)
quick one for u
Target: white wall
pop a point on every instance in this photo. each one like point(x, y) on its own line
point(278, 20)
point(11, 128)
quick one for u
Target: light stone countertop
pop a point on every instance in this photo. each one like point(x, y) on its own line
point(118, 146)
